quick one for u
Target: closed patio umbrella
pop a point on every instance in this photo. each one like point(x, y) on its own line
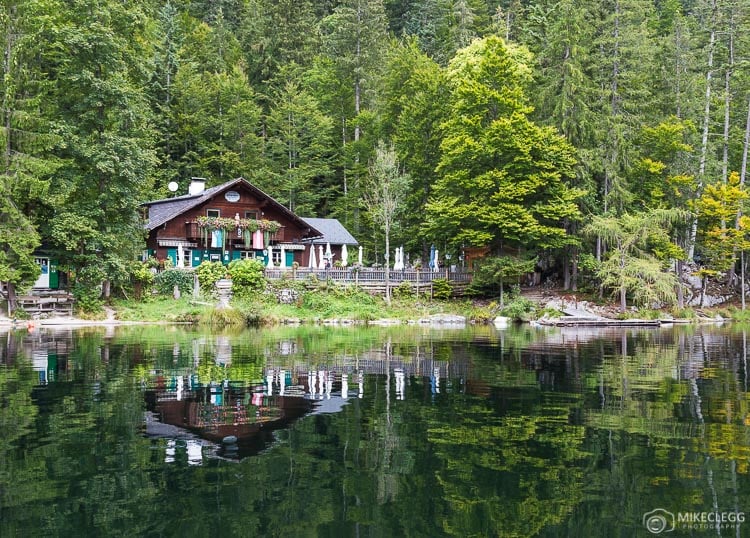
point(312, 264)
point(359, 259)
point(432, 258)
point(344, 256)
point(270, 257)
point(329, 256)
point(180, 260)
point(322, 261)
point(282, 263)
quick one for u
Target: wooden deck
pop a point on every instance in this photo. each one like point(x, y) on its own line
point(50, 302)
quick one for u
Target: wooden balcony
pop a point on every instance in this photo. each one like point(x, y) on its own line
point(193, 233)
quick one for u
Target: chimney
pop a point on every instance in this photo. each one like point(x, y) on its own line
point(197, 185)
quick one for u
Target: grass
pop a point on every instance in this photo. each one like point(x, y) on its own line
point(161, 309)
point(311, 307)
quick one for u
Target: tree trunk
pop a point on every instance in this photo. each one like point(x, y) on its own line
point(387, 266)
point(706, 122)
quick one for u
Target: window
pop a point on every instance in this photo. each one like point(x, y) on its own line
point(213, 212)
point(251, 215)
point(187, 257)
point(276, 255)
point(247, 255)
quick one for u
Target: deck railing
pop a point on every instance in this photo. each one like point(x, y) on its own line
point(366, 276)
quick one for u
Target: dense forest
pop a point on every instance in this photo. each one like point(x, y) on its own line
point(606, 140)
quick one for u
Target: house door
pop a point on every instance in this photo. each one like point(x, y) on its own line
point(43, 280)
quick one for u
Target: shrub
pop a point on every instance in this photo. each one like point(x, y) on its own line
point(224, 317)
point(441, 288)
point(403, 290)
point(520, 309)
point(165, 281)
point(247, 276)
point(208, 273)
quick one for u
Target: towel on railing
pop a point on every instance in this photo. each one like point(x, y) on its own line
point(258, 240)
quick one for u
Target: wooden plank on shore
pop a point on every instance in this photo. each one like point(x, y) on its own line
point(600, 322)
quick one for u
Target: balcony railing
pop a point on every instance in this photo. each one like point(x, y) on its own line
point(193, 233)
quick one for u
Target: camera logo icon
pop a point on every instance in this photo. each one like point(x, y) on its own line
point(658, 520)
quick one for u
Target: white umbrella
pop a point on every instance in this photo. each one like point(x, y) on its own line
point(282, 263)
point(344, 256)
point(180, 261)
point(322, 262)
point(437, 265)
point(270, 257)
point(395, 260)
point(328, 252)
point(312, 264)
point(360, 255)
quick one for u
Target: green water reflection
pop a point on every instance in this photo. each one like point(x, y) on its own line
point(407, 431)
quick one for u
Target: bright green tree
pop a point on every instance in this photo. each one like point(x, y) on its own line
point(97, 58)
point(502, 180)
point(639, 253)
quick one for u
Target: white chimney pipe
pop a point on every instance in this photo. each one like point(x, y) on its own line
point(197, 185)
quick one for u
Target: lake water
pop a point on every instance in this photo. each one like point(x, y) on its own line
point(409, 431)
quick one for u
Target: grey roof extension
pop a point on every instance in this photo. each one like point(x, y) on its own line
point(333, 232)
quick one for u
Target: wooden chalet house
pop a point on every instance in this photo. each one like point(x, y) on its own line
point(231, 221)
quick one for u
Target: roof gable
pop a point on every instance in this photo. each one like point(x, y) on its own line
point(162, 211)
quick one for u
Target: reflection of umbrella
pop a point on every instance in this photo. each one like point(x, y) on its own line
point(432, 257)
point(312, 263)
point(270, 257)
point(344, 256)
point(360, 255)
point(282, 263)
point(322, 262)
point(180, 261)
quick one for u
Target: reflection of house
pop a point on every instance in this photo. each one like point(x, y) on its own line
point(216, 412)
point(227, 222)
point(333, 233)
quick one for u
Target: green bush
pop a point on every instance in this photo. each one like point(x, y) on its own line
point(224, 317)
point(441, 288)
point(403, 290)
point(317, 301)
point(208, 273)
point(520, 309)
point(247, 276)
point(87, 289)
point(165, 281)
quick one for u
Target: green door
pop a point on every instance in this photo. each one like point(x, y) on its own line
point(54, 277)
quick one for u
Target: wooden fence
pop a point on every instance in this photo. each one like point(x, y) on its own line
point(373, 280)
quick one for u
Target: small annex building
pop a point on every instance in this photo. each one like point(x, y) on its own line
point(333, 233)
point(231, 221)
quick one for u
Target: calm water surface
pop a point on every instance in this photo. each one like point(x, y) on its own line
point(154, 431)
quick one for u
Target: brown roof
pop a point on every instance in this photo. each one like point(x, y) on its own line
point(162, 211)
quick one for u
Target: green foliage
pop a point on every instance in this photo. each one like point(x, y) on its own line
point(165, 281)
point(501, 179)
point(442, 288)
point(403, 290)
point(520, 309)
point(248, 276)
point(224, 317)
point(208, 273)
point(491, 273)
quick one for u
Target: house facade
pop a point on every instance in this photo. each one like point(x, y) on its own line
point(231, 221)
